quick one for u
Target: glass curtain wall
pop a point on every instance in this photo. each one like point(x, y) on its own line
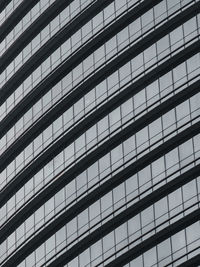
point(100, 134)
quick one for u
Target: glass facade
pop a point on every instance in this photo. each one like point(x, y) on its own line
point(100, 133)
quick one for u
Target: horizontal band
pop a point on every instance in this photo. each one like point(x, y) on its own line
point(193, 262)
point(3, 4)
point(49, 47)
point(40, 90)
point(18, 181)
point(32, 31)
point(78, 93)
point(14, 18)
point(135, 164)
point(42, 197)
point(122, 217)
point(152, 241)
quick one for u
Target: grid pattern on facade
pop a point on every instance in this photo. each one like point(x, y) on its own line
point(100, 133)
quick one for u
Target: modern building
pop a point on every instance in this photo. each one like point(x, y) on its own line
point(100, 133)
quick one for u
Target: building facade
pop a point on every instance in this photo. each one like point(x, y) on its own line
point(100, 133)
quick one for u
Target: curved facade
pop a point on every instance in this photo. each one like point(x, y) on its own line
point(100, 133)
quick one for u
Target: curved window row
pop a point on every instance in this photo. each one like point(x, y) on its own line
point(133, 62)
point(56, 43)
point(177, 230)
point(184, 161)
point(192, 65)
point(164, 151)
point(140, 146)
point(15, 18)
point(100, 135)
point(51, 29)
point(6, 120)
point(7, 11)
point(58, 90)
point(58, 131)
point(159, 142)
point(192, 102)
point(20, 192)
point(55, 14)
point(116, 248)
point(21, 26)
point(7, 141)
point(10, 168)
point(48, 95)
